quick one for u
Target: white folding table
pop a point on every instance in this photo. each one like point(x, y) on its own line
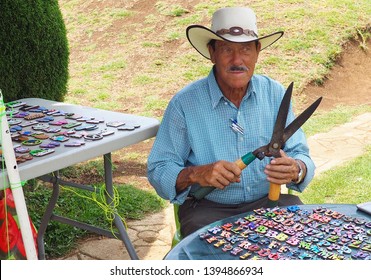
point(46, 167)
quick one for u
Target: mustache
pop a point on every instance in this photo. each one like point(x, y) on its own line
point(238, 68)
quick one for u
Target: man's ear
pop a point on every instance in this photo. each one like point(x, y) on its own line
point(258, 47)
point(211, 52)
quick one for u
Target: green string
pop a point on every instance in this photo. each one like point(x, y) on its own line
point(99, 197)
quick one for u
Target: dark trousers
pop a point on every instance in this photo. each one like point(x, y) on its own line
point(193, 218)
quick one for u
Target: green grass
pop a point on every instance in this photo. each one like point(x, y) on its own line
point(349, 183)
point(325, 121)
point(170, 10)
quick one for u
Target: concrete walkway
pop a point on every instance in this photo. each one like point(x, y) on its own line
point(152, 236)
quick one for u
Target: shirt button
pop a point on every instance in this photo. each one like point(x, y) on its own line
point(225, 103)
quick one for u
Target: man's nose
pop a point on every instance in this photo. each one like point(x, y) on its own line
point(237, 57)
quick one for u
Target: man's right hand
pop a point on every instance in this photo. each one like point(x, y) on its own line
point(218, 174)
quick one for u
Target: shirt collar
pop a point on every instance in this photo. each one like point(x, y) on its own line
point(252, 85)
point(216, 94)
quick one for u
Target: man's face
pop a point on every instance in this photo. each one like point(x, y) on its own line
point(234, 63)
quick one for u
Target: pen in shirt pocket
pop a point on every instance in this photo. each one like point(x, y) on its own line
point(235, 126)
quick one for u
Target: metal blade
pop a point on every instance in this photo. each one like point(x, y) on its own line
point(278, 132)
point(300, 120)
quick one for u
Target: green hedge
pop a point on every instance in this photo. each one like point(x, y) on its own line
point(33, 50)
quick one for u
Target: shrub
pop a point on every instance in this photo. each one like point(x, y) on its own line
point(33, 50)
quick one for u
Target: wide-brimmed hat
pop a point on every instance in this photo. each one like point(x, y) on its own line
point(229, 24)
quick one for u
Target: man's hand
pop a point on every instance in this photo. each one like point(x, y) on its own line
point(283, 170)
point(218, 174)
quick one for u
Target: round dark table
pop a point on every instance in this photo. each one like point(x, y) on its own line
point(195, 248)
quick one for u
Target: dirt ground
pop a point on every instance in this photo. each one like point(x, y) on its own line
point(349, 83)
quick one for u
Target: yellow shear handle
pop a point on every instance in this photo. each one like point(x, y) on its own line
point(240, 164)
point(274, 194)
point(274, 189)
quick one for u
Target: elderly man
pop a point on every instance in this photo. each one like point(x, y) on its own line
point(214, 121)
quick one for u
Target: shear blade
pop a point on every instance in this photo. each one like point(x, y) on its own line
point(300, 120)
point(277, 139)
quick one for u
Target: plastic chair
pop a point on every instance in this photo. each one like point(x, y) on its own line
point(177, 235)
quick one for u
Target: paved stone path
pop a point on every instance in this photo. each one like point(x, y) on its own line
point(152, 236)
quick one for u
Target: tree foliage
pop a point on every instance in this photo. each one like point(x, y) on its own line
point(33, 50)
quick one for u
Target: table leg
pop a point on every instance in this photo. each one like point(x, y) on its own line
point(46, 218)
point(49, 215)
point(109, 197)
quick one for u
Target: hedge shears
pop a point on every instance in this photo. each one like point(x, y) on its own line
point(280, 135)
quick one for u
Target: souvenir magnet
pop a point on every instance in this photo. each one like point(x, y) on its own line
point(31, 142)
point(15, 104)
point(71, 125)
point(59, 138)
point(14, 122)
point(21, 150)
point(15, 128)
point(40, 126)
point(34, 116)
point(41, 136)
point(115, 124)
point(52, 130)
point(41, 152)
point(74, 144)
point(106, 132)
point(46, 119)
point(39, 109)
point(21, 115)
point(128, 128)
point(25, 124)
point(60, 122)
point(23, 158)
point(73, 116)
point(29, 107)
point(95, 121)
point(78, 135)
point(50, 145)
point(93, 137)
point(86, 127)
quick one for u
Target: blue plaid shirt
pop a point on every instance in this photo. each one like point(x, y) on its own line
point(195, 130)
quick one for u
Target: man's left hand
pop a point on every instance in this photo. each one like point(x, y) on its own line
point(282, 170)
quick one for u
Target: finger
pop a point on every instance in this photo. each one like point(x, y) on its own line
point(224, 170)
point(280, 168)
point(277, 181)
point(222, 182)
point(278, 177)
point(230, 176)
point(282, 161)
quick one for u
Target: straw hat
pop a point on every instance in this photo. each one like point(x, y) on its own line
point(232, 25)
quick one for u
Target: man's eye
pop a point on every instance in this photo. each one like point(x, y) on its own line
point(246, 49)
point(226, 50)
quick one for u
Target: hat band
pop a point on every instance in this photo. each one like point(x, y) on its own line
point(236, 31)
